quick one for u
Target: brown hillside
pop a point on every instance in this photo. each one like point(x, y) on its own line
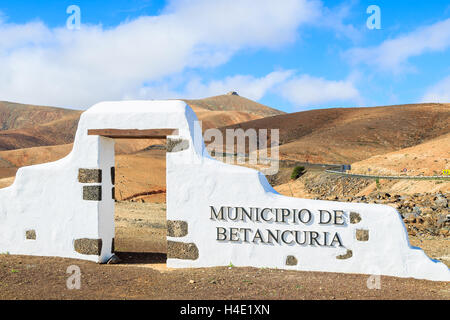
point(35, 134)
point(57, 132)
point(27, 126)
point(234, 103)
point(216, 119)
point(429, 158)
point(141, 173)
point(352, 134)
point(18, 116)
point(12, 160)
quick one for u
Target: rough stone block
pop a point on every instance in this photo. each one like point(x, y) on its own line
point(177, 145)
point(93, 193)
point(355, 217)
point(291, 261)
point(90, 175)
point(177, 228)
point(362, 235)
point(348, 255)
point(30, 235)
point(113, 175)
point(181, 250)
point(88, 246)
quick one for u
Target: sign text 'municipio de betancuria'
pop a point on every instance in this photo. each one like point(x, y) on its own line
point(280, 216)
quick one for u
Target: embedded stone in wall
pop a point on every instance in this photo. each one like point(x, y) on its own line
point(182, 250)
point(362, 235)
point(30, 235)
point(113, 175)
point(177, 228)
point(291, 261)
point(348, 255)
point(93, 193)
point(114, 260)
point(90, 175)
point(355, 217)
point(176, 145)
point(88, 246)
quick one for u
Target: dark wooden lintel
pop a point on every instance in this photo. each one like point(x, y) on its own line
point(133, 133)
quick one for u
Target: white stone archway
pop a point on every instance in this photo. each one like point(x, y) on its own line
point(217, 213)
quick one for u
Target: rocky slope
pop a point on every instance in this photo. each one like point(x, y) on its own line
point(424, 213)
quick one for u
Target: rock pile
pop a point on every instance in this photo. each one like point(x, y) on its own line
point(328, 185)
point(423, 214)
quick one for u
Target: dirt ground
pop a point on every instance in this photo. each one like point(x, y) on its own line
point(45, 278)
point(140, 227)
point(140, 243)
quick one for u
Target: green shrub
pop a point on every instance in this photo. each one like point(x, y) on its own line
point(377, 181)
point(297, 172)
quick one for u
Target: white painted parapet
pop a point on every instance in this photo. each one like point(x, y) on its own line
point(217, 213)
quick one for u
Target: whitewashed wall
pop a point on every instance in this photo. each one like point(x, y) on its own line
point(48, 199)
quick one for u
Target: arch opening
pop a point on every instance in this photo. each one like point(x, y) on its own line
point(139, 194)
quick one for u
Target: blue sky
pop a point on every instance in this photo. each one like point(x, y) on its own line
point(293, 55)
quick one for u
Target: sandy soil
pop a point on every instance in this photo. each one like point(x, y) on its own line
point(140, 173)
point(140, 227)
point(45, 278)
point(435, 247)
point(429, 158)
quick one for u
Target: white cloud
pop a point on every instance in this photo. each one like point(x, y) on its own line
point(393, 54)
point(440, 92)
point(246, 85)
point(306, 90)
point(301, 90)
point(334, 19)
point(78, 68)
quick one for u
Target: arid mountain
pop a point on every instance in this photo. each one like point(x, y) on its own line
point(216, 119)
point(19, 116)
point(224, 110)
point(49, 134)
point(12, 160)
point(234, 102)
point(28, 156)
point(409, 135)
point(35, 134)
point(136, 171)
point(352, 134)
point(27, 126)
